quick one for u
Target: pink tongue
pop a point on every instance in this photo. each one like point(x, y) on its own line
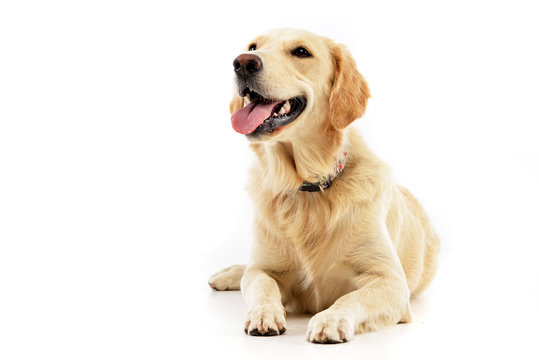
point(247, 119)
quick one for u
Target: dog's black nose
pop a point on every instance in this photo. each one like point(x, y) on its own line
point(247, 65)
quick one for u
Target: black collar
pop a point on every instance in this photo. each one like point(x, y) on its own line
point(325, 181)
point(312, 187)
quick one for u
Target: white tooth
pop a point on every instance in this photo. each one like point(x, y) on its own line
point(275, 114)
point(282, 111)
point(286, 107)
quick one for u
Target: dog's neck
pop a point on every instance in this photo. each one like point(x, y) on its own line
point(325, 181)
point(287, 165)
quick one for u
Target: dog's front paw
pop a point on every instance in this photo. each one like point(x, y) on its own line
point(265, 320)
point(330, 327)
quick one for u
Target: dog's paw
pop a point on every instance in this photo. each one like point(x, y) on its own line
point(227, 279)
point(330, 327)
point(265, 320)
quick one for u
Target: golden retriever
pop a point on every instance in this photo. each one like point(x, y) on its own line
point(334, 235)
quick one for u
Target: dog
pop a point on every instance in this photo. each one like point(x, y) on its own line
point(334, 235)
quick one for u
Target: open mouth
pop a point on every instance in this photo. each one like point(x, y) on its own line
point(262, 116)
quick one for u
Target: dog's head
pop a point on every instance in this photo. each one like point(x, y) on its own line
point(290, 82)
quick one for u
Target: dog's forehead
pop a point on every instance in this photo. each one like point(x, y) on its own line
point(280, 37)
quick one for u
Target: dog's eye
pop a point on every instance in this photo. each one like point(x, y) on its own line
point(252, 47)
point(301, 52)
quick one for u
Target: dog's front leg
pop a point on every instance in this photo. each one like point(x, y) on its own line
point(266, 314)
point(381, 299)
point(380, 303)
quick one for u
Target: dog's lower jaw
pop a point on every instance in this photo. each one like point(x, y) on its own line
point(275, 124)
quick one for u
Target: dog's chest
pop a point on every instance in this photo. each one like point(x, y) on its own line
point(308, 230)
point(314, 238)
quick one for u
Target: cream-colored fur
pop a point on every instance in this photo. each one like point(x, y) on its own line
point(352, 254)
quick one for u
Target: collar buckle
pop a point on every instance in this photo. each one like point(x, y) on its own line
point(310, 187)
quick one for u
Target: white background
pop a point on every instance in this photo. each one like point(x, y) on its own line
point(122, 181)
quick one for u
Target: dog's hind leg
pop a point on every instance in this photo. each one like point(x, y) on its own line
point(228, 278)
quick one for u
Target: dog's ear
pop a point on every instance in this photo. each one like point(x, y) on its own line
point(349, 94)
point(236, 103)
